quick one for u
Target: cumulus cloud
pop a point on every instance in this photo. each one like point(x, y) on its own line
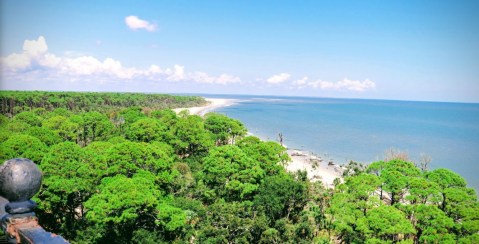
point(35, 48)
point(345, 84)
point(32, 49)
point(35, 62)
point(222, 79)
point(135, 23)
point(226, 79)
point(279, 78)
point(176, 74)
point(301, 82)
point(35, 59)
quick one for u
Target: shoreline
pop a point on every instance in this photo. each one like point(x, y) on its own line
point(214, 103)
point(315, 166)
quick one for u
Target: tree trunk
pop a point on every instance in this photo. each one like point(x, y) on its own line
point(443, 204)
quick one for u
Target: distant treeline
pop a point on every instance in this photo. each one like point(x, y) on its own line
point(13, 102)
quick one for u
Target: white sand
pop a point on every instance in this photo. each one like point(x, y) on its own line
point(300, 160)
point(322, 171)
point(214, 103)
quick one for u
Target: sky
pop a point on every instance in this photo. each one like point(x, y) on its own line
point(374, 49)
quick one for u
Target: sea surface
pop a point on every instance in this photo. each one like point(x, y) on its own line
point(363, 130)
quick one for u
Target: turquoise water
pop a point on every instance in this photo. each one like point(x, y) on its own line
point(362, 130)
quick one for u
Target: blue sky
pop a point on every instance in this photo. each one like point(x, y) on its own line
point(407, 50)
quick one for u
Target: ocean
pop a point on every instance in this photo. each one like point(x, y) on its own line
point(363, 130)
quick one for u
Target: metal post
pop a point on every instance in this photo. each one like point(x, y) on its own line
point(20, 179)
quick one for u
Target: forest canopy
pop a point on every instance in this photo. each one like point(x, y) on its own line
point(124, 168)
point(13, 102)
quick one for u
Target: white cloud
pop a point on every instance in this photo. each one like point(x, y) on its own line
point(135, 23)
point(35, 48)
point(177, 73)
point(279, 78)
point(154, 69)
point(223, 79)
point(345, 84)
point(16, 61)
point(226, 79)
point(36, 60)
point(301, 82)
point(49, 60)
point(32, 49)
point(323, 85)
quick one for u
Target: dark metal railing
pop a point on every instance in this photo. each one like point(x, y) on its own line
point(20, 180)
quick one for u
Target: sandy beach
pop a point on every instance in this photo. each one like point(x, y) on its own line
point(317, 169)
point(301, 160)
point(214, 103)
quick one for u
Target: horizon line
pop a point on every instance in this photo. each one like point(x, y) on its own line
point(257, 95)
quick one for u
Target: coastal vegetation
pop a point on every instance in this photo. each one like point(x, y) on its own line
point(124, 168)
point(13, 102)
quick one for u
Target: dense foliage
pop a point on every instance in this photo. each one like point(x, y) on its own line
point(13, 102)
point(161, 177)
